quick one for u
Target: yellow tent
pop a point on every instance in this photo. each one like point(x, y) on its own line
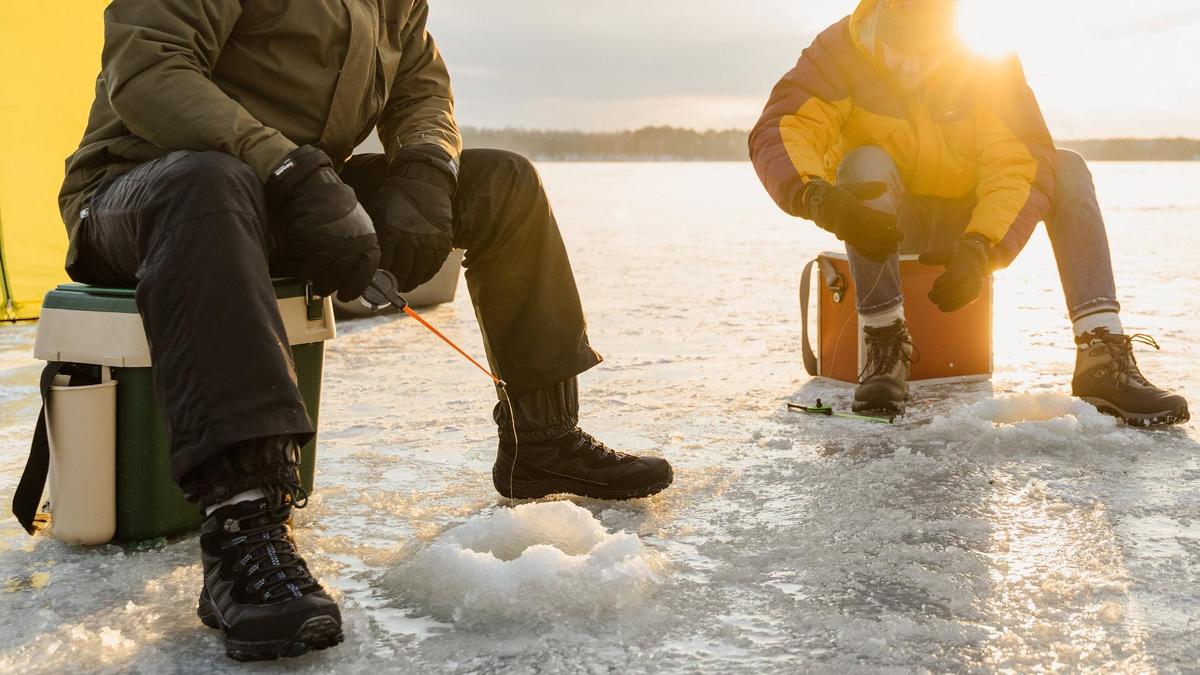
point(49, 58)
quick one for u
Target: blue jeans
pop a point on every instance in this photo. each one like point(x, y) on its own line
point(1075, 226)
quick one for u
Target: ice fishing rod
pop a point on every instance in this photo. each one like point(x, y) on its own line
point(828, 411)
point(384, 292)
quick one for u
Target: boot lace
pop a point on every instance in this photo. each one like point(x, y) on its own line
point(589, 447)
point(269, 567)
point(1119, 348)
point(885, 347)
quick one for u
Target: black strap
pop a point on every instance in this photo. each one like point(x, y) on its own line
point(29, 491)
point(810, 359)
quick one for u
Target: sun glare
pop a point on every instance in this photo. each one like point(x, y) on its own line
point(988, 27)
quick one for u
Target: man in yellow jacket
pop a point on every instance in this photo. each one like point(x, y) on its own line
point(891, 135)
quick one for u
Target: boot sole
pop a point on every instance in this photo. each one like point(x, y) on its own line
point(1161, 418)
point(319, 632)
point(536, 489)
point(888, 408)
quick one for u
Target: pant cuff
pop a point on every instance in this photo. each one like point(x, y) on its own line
point(1095, 306)
point(195, 450)
point(540, 415)
point(270, 464)
point(881, 307)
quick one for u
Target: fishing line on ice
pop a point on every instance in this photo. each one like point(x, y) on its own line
point(501, 386)
point(383, 292)
point(837, 344)
point(512, 419)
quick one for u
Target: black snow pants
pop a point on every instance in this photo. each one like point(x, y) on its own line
point(191, 231)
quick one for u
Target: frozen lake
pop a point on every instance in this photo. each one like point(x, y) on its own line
point(1000, 526)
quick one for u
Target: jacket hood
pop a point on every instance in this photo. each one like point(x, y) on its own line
point(862, 27)
point(864, 36)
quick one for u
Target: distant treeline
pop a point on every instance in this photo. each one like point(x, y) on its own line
point(647, 144)
point(675, 144)
point(1138, 149)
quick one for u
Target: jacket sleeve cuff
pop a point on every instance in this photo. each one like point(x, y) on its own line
point(794, 199)
point(269, 154)
point(449, 143)
point(987, 237)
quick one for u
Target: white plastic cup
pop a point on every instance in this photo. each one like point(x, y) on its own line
point(82, 426)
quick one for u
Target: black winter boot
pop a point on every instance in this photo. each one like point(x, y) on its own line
point(576, 464)
point(257, 588)
point(1107, 376)
point(883, 383)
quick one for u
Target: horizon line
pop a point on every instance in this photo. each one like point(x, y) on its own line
point(521, 129)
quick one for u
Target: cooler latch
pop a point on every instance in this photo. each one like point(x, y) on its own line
point(833, 281)
point(314, 305)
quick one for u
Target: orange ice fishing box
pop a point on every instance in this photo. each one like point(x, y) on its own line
point(949, 347)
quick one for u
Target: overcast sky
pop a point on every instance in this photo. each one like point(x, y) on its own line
point(1099, 67)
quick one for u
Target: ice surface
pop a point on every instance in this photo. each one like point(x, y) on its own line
point(998, 526)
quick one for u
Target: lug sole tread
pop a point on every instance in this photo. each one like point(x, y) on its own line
point(536, 489)
point(315, 634)
point(1159, 418)
point(877, 407)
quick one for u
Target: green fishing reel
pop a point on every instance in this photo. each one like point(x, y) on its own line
point(822, 409)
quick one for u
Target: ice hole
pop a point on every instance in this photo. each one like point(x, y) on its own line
point(536, 560)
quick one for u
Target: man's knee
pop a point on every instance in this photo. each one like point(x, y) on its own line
point(1070, 168)
point(500, 193)
point(866, 164)
point(212, 205)
point(505, 168)
point(217, 179)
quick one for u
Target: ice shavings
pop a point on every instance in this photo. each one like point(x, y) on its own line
point(1024, 422)
point(540, 560)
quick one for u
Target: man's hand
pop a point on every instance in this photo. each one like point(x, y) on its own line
point(414, 215)
point(840, 210)
point(330, 237)
point(966, 266)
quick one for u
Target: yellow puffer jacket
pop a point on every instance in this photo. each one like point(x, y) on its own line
point(975, 129)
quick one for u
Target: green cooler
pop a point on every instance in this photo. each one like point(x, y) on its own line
point(101, 326)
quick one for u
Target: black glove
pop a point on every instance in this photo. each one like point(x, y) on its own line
point(966, 266)
point(330, 240)
point(413, 213)
point(840, 210)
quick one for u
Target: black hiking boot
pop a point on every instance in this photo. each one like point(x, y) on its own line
point(576, 464)
point(883, 383)
point(257, 588)
point(1107, 376)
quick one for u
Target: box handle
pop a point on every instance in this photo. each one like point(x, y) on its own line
point(836, 284)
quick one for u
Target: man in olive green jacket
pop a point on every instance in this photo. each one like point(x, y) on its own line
point(217, 153)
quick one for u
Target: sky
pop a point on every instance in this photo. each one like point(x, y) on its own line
point(1100, 68)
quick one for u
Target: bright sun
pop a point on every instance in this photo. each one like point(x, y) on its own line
point(991, 27)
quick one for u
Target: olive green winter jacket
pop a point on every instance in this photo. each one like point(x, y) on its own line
point(256, 79)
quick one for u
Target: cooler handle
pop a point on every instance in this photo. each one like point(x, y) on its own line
point(836, 284)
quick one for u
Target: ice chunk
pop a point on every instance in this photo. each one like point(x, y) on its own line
point(1025, 422)
point(543, 560)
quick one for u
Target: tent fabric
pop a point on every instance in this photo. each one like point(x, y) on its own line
point(49, 59)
